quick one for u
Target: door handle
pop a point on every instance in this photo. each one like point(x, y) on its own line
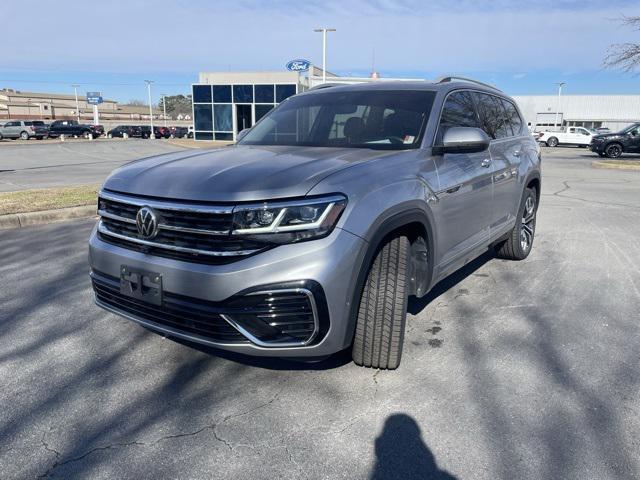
point(485, 163)
point(516, 153)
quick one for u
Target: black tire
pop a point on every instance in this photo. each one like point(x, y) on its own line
point(383, 308)
point(601, 154)
point(613, 150)
point(513, 248)
point(24, 136)
point(552, 142)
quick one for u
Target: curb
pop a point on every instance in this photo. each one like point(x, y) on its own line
point(21, 220)
point(616, 164)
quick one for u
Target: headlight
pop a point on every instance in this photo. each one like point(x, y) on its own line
point(287, 222)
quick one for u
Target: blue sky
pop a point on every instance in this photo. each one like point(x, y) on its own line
point(523, 47)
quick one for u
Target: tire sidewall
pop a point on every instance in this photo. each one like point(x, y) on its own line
point(552, 142)
point(527, 193)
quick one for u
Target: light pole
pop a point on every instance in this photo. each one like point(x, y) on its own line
point(560, 85)
point(164, 108)
point(149, 82)
point(75, 91)
point(324, 50)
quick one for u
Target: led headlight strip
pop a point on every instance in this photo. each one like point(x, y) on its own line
point(333, 203)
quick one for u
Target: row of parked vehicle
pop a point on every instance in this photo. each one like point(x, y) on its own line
point(144, 131)
point(26, 129)
point(603, 142)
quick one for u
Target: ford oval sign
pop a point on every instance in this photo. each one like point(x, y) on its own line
point(298, 65)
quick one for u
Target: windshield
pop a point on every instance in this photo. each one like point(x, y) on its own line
point(380, 119)
point(629, 128)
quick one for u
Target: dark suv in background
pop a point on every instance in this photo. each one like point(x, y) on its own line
point(310, 234)
point(613, 145)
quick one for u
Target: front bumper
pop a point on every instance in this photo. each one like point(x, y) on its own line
point(597, 147)
point(331, 263)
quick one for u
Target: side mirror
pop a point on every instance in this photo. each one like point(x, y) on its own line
point(464, 140)
point(242, 134)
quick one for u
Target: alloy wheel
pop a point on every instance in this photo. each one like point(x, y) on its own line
point(528, 223)
point(614, 151)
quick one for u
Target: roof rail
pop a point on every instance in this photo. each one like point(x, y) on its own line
point(451, 78)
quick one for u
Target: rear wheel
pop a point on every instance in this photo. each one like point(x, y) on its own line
point(518, 245)
point(552, 142)
point(24, 136)
point(383, 308)
point(613, 150)
point(109, 135)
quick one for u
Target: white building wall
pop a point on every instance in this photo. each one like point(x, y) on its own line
point(614, 111)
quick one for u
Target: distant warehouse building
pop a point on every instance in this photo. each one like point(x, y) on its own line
point(16, 104)
point(591, 111)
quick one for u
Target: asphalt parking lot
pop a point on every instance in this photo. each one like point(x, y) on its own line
point(34, 164)
point(511, 370)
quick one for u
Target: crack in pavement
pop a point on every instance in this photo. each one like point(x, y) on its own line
point(595, 202)
point(57, 463)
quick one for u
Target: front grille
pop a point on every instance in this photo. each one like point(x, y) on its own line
point(192, 232)
point(179, 312)
point(283, 317)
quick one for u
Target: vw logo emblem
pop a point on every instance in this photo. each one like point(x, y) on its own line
point(147, 222)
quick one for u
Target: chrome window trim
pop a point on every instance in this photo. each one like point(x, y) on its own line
point(235, 253)
point(260, 343)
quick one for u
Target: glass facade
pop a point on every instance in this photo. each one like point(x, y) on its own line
point(222, 111)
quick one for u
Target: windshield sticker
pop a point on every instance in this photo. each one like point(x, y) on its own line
point(408, 139)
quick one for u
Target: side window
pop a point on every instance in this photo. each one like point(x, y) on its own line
point(458, 111)
point(493, 117)
point(572, 130)
point(513, 116)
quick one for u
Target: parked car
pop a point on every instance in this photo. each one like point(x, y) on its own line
point(71, 128)
point(144, 131)
point(24, 129)
point(579, 136)
point(98, 129)
point(120, 131)
point(613, 145)
point(308, 237)
point(179, 132)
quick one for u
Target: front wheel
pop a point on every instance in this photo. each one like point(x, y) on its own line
point(613, 151)
point(552, 142)
point(518, 245)
point(383, 308)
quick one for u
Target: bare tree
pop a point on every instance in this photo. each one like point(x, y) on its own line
point(625, 56)
point(136, 102)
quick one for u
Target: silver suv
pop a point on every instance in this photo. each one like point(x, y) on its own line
point(308, 236)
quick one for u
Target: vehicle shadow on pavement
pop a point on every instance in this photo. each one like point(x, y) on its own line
point(416, 305)
point(401, 453)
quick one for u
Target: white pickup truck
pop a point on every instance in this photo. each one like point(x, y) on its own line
point(566, 136)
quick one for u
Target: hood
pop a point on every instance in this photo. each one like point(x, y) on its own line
point(238, 173)
point(606, 136)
